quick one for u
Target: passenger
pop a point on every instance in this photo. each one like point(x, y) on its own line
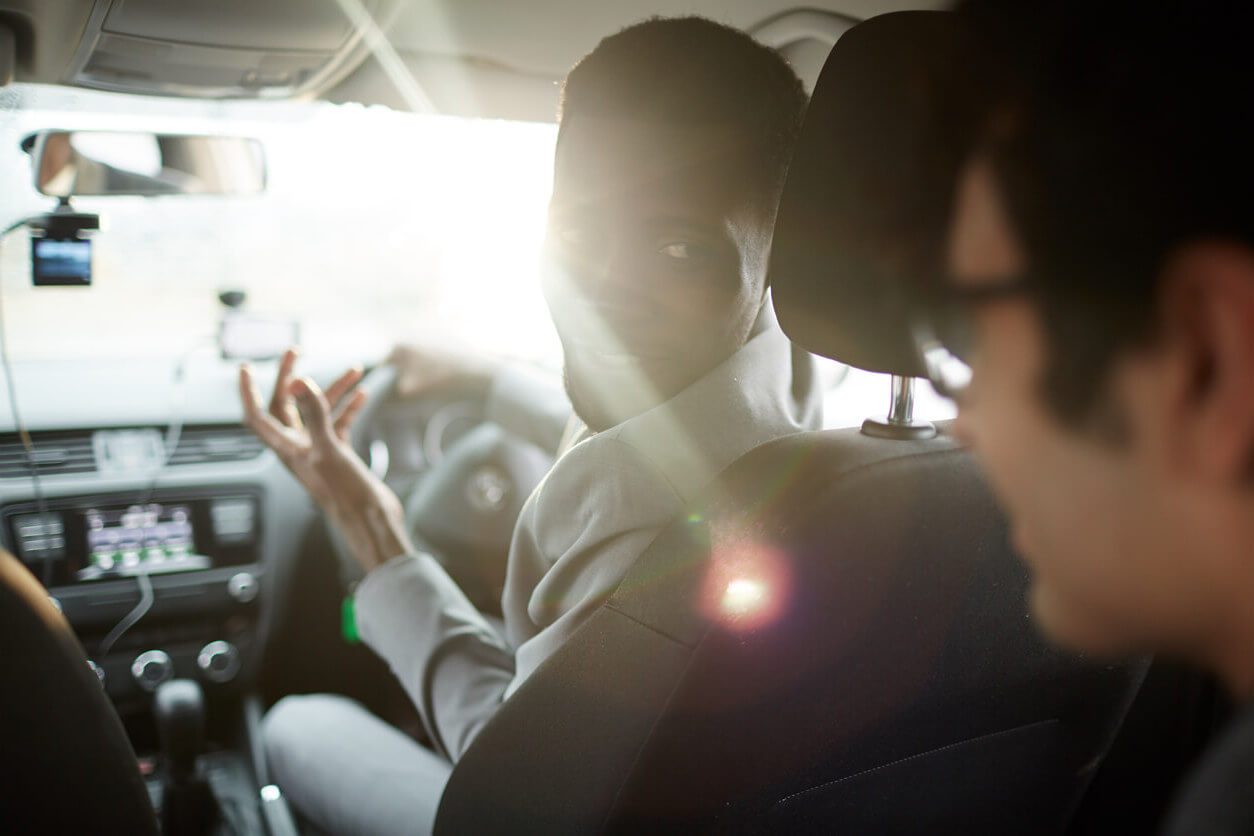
point(674, 137)
point(1100, 285)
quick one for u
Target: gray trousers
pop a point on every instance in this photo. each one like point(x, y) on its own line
point(347, 771)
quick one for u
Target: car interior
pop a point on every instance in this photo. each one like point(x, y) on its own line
point(836, 638)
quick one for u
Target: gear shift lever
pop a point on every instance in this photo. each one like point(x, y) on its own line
point(188, 807)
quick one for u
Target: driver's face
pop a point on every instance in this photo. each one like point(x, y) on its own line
point(655, 260)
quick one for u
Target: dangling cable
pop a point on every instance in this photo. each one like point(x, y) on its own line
point(146, 597)
point(31, 462)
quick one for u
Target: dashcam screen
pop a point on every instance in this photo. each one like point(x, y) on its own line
point(60, 262)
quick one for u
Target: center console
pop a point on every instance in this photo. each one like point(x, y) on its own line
point(160, 586)
point(156, 586)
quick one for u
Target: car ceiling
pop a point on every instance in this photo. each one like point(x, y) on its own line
point(468, 57)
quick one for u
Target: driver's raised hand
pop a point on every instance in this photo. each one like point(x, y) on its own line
point(308, 430)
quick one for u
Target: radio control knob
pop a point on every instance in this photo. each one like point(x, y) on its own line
point(243, 587)
point(218, 661)
point(98, 671)
point(151, 668)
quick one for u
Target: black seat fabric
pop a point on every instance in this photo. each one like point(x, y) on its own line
point(837, 642)
point(67, 764)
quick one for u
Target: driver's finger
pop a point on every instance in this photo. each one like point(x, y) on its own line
point(281, 406)
point(314, 409)
point(337, 390)
point(267, 428)
point(347, 412)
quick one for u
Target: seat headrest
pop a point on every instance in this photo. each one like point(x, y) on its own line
point(869, 189)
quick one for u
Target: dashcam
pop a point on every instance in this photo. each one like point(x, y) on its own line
point(60, 254)
point(60, 263)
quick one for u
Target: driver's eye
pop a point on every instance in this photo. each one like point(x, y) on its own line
point(577, 238)
point(684, 251)
point(677, 249)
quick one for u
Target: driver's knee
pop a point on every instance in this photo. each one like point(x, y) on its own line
point(293, 731)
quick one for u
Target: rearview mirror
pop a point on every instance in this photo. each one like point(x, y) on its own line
point(71, 163)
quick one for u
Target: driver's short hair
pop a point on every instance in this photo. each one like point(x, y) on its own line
point(1118, 132)
point(693, 71)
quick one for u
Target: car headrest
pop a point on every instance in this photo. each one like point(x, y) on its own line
point(869, 189)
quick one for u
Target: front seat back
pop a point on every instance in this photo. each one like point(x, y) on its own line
point(838, 642)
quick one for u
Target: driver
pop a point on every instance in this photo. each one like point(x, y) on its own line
point(673, 142)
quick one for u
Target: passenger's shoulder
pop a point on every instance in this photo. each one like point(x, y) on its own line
point(1218, 797)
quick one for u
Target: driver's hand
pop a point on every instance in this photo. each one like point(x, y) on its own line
point(308, 430)
point(421, 368)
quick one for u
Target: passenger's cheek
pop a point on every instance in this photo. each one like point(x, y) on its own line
point(963, 427)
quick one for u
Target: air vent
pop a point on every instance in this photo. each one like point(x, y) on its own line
point(58, 452)
point(54, 453)
point(215, 443)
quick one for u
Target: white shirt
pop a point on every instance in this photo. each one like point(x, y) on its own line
point(596, 511)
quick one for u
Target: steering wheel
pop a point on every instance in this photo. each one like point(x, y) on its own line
point(462, 504)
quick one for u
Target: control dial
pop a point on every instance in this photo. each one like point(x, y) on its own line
point(151, 668)
point(218, 661)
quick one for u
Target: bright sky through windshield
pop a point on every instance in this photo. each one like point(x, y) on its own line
point(376, 227)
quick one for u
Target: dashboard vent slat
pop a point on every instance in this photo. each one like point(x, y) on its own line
point(54, 453)
point(62, 452)
point(221, 443)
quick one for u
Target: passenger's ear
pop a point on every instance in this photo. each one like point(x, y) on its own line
point(1207, 337)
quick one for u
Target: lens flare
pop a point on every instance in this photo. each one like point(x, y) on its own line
point(747, 584)
point(743, 596)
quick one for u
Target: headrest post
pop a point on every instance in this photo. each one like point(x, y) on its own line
point(900, 423)
point(901, 410)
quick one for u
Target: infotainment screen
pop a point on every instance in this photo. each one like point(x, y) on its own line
point(69, 540)
point(148, 538)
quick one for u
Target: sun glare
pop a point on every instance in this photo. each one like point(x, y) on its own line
point(743, 596)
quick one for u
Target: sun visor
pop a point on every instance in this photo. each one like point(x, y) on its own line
point(867, 200)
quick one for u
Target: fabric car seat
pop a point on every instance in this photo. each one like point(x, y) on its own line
point(67, 764)
point(880, 675)
point(837, 639)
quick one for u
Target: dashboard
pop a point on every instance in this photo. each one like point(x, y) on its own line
point(168, 535)
point(168, 549)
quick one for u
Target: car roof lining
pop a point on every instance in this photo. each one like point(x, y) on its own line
point(466, 57)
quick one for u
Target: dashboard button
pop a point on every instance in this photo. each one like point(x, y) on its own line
point(151, 668)
point(218, 661)
point(243, 587)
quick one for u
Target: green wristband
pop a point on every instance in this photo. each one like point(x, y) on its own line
point(348, 620)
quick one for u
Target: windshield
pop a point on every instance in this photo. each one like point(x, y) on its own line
point(375, 227)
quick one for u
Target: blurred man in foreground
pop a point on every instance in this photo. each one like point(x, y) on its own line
point(1095, 322)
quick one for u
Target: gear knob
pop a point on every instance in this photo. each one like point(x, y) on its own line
point(179, 709)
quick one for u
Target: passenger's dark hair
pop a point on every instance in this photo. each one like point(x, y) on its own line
point(1122, 132)
point(694, 71)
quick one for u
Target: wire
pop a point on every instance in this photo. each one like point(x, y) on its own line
point(174, 430)
point(41, 503)
point(146, 598)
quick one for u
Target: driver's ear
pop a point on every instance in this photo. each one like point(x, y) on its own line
point(1206, 315)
